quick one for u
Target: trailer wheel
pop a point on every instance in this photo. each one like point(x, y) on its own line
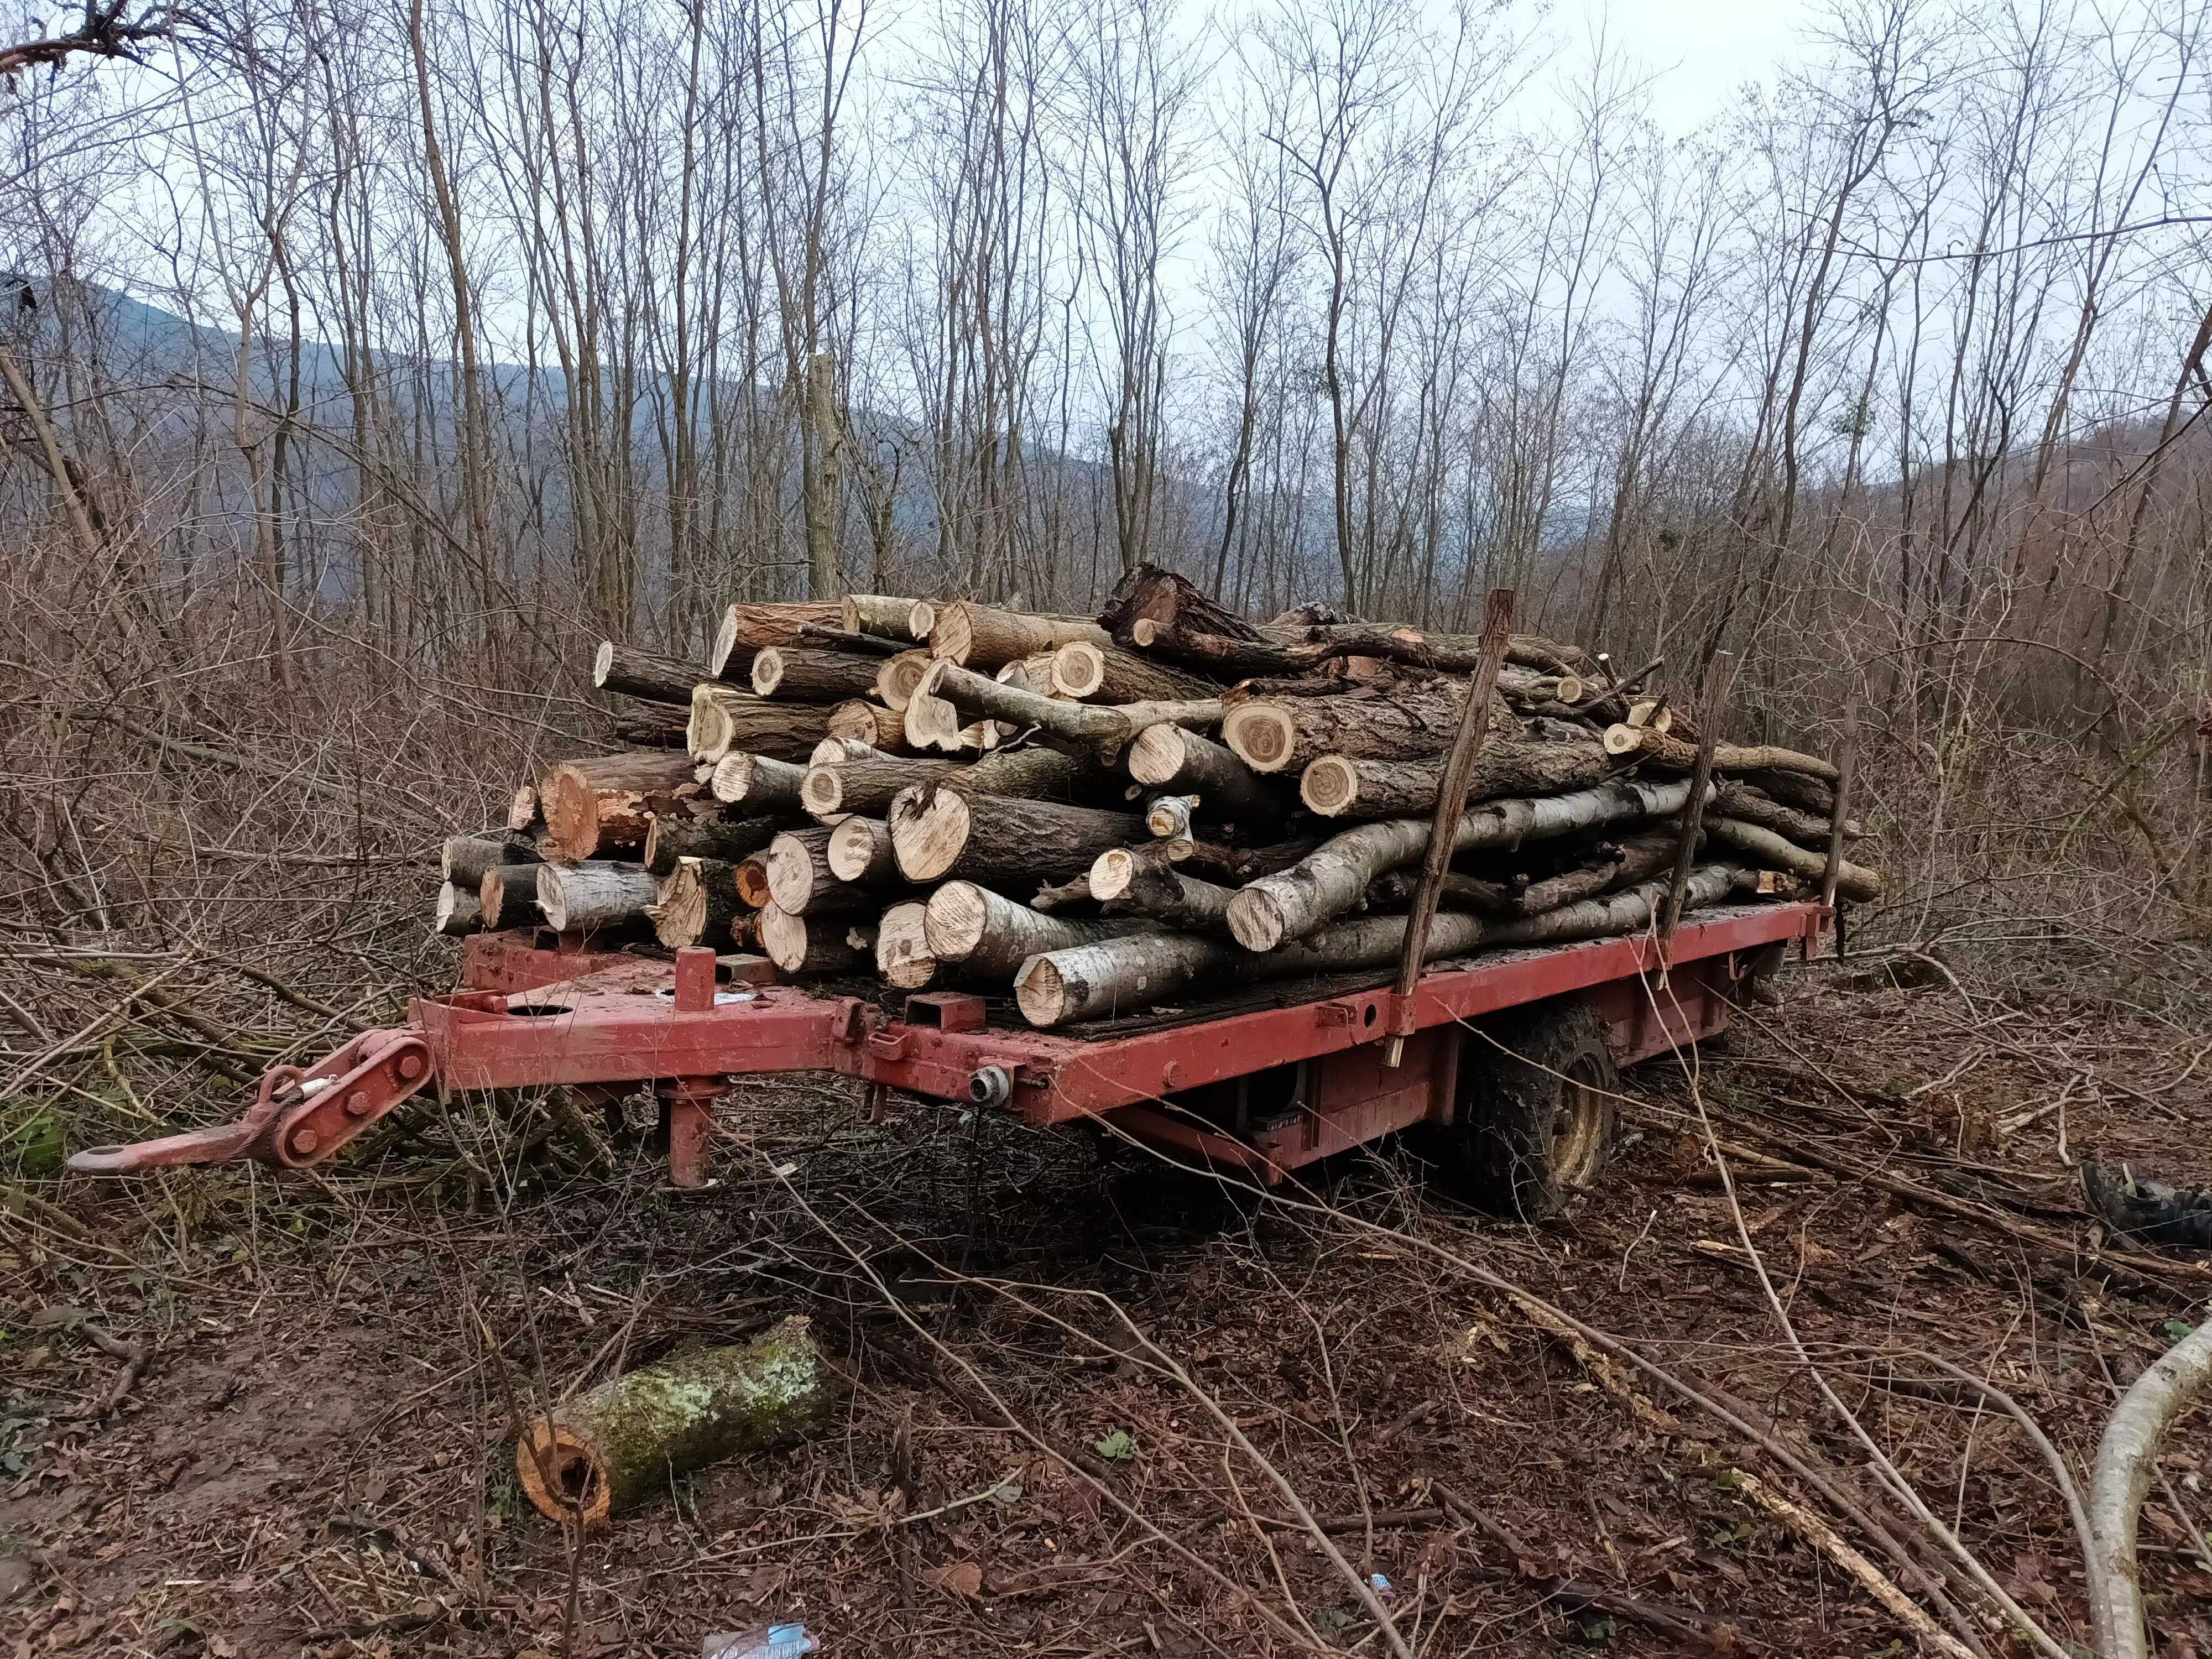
point(1535, 1117)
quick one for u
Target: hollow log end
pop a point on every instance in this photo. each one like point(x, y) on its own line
point(751, 879)
point(1330, 786)
point(562, 1472)
point(1263, 735)
point(1158, 754)
point(603, 662)
point(1256, 920)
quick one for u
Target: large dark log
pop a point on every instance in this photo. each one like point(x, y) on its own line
point(790, 673)
point(724, 718)
point(1328, 883)
point(506, 897)
point(697, 904)
point(865, 785)
point(670, 839)
point(1091, 672)
point(1344, 787)
point(1672, 754)
point(637, 732)
point(1797, 790)
point(1288, 734)
point(801, 881)
point(585, 898)
point(601, 805)
point(945, 834)
point(749, 629)
point(755, 785)
point(987, 937)
point(464, 858)
point(1182, 762)
point(1637, 858)
point(641, 674)
point(977, 636)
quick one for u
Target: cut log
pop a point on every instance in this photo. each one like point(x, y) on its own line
point(1795, 789)
point(751, 878)
point(880, 728)
point(835, 751)
point(1629, 911)
point(1674, 754)
point(671, 838)
point(979, 637)
point(1752, 805)
point(587, 898)
point(860, 852)
point(642, 733)
point(642, 674)
point(866, 785)
point(1175, 900)
point(1637, 859)
point(1854, 881)
point(1113, 869)
point(1168, 600)
point(947, 834)
point(1170, 757)
point(757, 784)
point(880, 614)
point(896, 677)
point(921, 619)
point(724, 718)
point(988, 937)
point(800, 881)
point(1277, 909)
point(814, 944)
point(1168, 817)
point(459, 912)
point(1108, 729)
point(748, 628)
point(464, 858)
point(798, 673)
point(1344, 786)
point(1288, 734)
point(1395, 889)
point(522, 811)
point(1031, 674)
point(1091, 672)
point(697, 904)
point(506, 897)
point(622, 1443)
point(931, 722)
point(838, 638)
point(903, 953)
point(1454, 653)
point(1032, 773)
point(602, 806)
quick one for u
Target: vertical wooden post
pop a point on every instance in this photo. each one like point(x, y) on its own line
point(1451, 802)
point(1847, 755)
point(1712, 710)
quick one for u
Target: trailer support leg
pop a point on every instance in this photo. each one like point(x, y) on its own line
point(690, 1128)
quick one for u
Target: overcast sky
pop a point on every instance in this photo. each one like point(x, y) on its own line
point(1700, 51)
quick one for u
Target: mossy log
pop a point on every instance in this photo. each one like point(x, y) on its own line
point(622, 1442)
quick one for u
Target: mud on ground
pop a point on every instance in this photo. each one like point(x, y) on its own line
point(1085, 1389)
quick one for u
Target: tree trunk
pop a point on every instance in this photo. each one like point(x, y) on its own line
point(1090, 672)
point(464, 859)
point(903, 953)
point(792, 673)
point(673, 839)
point(1344, 786)
point(866, 785)
point(758, 784)
point(459, 912)
point(987, 937)
point(724, 718)
point(860, 852)
point(506, 897)
point(1393, 890)
point(622, 1443)
point(603, 805)
point(584, 898)
point(748, 628)
point(1854, 881)
point(946, 834)
point(886, 618)
point(978, 637)
point(1329, 881)
point(1168, 897)
point(696, 904)
point(1287, 734)
point(1170, 757)
point(814, 944)
point(879, 728)
point(800, 881)
point(1795, 789)
point(641, 674)
point(1674, 754)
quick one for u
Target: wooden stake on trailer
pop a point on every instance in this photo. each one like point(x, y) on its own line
point(1712, 706)
point(1846, 762)
point(1451, 803)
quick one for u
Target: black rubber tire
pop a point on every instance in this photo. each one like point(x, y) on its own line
point(1535, 1118)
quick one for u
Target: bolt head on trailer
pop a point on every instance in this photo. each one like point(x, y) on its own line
point(1522, 1113)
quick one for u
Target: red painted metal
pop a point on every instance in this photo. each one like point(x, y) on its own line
point(611, 1019)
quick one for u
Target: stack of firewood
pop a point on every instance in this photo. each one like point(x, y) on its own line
point(1129, 813)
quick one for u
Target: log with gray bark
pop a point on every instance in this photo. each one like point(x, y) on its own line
point(459, 912)
point(601, 805)
point(1671, 752)
point(464, 858)
point(1854, 881)
point(1752, 805)
point(1347, 787)
point(1410, 722)
point(1167, 896)
point(598, 897)
point(1171, 817)
point(1183, 761)
point(1091, 672)
point(755, 785)
point(641, 674)
point(1106, 729)
point(815, 945)
point(806, 674)
point(866, 784)
point(941, 833)
point(1328, 882)
point(682, 836)
point(696, 904)
point(800, 881)
point(986, 936)
point(506, 897)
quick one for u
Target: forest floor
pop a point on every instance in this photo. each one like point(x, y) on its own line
point(1047, 1342)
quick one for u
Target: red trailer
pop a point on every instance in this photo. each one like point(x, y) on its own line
point(1509, 1072)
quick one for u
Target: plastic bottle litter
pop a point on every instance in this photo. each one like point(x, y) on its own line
point(761, 1641)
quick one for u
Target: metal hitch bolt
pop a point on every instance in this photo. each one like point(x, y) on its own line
point(991, 1086)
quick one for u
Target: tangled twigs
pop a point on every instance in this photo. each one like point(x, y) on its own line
point(105, 32)
point(133, 1356)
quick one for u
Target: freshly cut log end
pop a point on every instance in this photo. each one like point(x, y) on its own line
point(1262, 734)
point(880, 614)
point(634, 673)
point(931, 723)
point(1623, 738)
point(620, 1444)
point(506, 897)
point(1330, 786)
point(750, 876)
point(746, 628)
point(1168, 817)
point(940, 832)
point(799, 879)
point(895, 678)
point(921, 619)
point(459, 913)
point(928, 828)
point(464, 858)
point(758, 784)
point(860, 852)
point(698, 902)
point(903, 954)
point(990, 936)
point(724, 718)
point(522, 810)
point(803, 945)
point(834, 751)
point(809, 674)
point(584, 898)
point(1139, 970)
point(863, 721)
point(1090, 671)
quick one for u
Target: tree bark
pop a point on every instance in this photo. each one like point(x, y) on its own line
point(1168, 817)
point(1090, 672)
point(793, 673)
point(724, 718)
point(1346, 787)
point(987, 937)
point(696, 904)
point(903, 953)
point(2127, 1455)
point(1288, 734)
point(748, 628)
point(1675, 754)
point(1854, 881)
point(506, 897)
point(947, 834)
point(1170, 757)
point(585, 898)
point(641, 674)
point(464, 858)
point(1752, 805)
point(751, 878)
point(867, 785)
point(860, 852)
point(603, 805)
point(978, 637)
point(670, 840)
point(459, 912)
point(1168, 600)
point(1175, 900)
point(880, 614)
point(879, 728)
point(639, 732)
point(1329, 881)
point(758, 784)
point(1636, 859)
point(814, 944)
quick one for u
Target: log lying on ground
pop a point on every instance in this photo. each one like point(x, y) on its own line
point(981, 638)
point(724, 718)
point(1107, 728)
point(585, 898)
point(464, 858)
point(896, 677)
point(1329, 881)
point(1091, 672)
point(1171, 758)
point(1288, 734)
point(946, 834)
point(1346, 787)
point(880, 728)
point(865, 785)
point(1754, 806)
point(641, 674)
point(696, 904)
point(881, 614)
point(860, 852)
point(459, 912)
point(1855, 881)
point(1676, 754)
point(602, 806)
point(755, 785)
point(814, 944)
point(746, 630)
point(903, 954)
point(798, 673)
point(1167, 897)
point(622, 1443)
point(671, 838)
point(2127, 1457)
point(506, 897)
point(987, 937)
point(800, 881)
